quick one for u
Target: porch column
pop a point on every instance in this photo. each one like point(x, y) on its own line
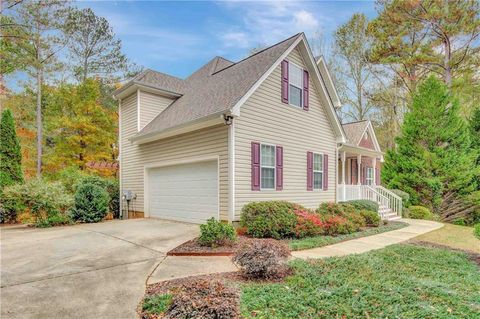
point(359, 169)
point(374, 171)
point(343, 160)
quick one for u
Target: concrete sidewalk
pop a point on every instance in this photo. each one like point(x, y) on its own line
point(361, 245)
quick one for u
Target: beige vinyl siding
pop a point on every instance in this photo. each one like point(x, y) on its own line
point(202, 143)
point(150, 106)
point(265, 119)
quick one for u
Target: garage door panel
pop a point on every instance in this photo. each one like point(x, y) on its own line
point(187, 192)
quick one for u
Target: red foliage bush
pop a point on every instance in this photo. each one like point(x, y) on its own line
point(264, 258)
point(204, 299)
point(308, 224)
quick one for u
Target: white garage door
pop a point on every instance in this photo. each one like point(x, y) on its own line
point(186, 192)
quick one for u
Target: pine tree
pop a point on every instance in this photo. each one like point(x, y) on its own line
point(474, 125)
point(433, 161)
point(10, 152)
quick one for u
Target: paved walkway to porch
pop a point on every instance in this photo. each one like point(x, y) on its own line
point(173, 267)
point(361, 245)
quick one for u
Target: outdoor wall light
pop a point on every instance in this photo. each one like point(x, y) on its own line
point(228, 119)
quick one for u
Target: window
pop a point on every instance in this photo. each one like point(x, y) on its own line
point(267, 166)
point(369, 178)
point(317, 171)
point(295, 85)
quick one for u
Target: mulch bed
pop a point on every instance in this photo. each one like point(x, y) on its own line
point(193, 248)
point(475, 257)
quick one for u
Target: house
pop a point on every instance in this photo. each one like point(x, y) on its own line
point(263, 128)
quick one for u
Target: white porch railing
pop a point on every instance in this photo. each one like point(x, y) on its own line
point(378, 194)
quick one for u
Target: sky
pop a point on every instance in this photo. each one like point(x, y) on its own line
point(179, 37)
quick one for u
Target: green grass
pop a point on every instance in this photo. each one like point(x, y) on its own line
point(400, 281)
point(157, 304)
point(454, 236)
point(319, 241)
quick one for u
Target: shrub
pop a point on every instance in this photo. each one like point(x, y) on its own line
point(354, 221)
point(215, 233)
point(337, 225)
point(419, 212)
point(308, 224)
point(403, 195)
point(363, 204)
point(270, 219)
point(476, 230)
point(204, 299)
point(157, 304)
point(91, 203)
point(263, 259)
point(54, 220)
point(70, 178)
point(111, 186)
point(371, 218)
point(43, 200)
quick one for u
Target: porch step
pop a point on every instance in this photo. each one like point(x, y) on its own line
point(387, 213)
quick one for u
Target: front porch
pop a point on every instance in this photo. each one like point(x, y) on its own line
point(359, 178)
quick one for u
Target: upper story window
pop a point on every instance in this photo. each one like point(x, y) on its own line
point(267, 166)
point(295, 85)
point(317, 171)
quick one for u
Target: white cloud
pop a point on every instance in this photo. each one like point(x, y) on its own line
point(264, 23)
point(235, 39)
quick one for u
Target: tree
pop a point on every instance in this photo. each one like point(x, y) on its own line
point(10, 152)
point(80, 129)
point(433, 35)
point(353, 71)
point(37, 27)
point(93, 46)
point(434, 161)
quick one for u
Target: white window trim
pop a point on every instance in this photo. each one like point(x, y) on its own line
point(301, 89)
point(274, 167)
point(369, 169)
point(317, 171)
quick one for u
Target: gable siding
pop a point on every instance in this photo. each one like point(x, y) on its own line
point(150, 106)
point(264, 118)
point(367, 142)
point(133, 158)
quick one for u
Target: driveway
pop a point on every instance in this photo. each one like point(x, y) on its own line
point(83, 271)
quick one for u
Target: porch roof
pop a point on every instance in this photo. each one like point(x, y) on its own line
point(349, 148)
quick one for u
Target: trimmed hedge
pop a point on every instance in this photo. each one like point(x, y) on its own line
point(419, 212)
point(371, 218)
point(270, 219)
point(215, 233)
point(363, 204)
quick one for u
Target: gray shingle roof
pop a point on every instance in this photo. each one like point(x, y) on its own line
point(354, 131)
point(161, 80)
point(214, 88)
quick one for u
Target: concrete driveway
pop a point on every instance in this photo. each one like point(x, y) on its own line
point(83, 271)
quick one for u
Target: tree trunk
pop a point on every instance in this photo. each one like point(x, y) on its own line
point(85, 72)
point(39, 122)
point(446, 64)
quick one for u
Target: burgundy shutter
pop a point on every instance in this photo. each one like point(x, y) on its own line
point(364, 174)
point(285, 81)
point(325, 172)
point(305, 90)
point(279, 167)
point(255, 166)
point(309, 171)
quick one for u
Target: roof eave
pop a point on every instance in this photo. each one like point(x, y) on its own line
point(133, 86)
point(191, 126)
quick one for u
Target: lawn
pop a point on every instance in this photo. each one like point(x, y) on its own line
point(458, 237)
point(319, 241)
point(400, 281)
